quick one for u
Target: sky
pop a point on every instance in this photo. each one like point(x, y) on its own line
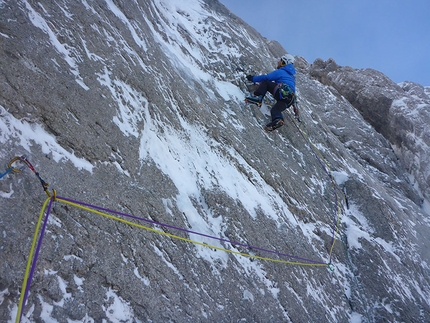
point(391, 36)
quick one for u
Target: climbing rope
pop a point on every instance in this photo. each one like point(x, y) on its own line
point(325, 165)
point(338, 212)
point(47, 206)
point(32, 258)
point(104, 212)
point(113, 215)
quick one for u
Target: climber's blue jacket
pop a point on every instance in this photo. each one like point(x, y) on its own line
point(285, 74)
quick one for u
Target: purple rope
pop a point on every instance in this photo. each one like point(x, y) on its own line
point(36, 255)
point(191, 232)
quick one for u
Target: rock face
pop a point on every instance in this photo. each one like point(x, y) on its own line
point(400, 112)
point(136, 107)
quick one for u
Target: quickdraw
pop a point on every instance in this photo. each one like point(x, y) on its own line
point(24, 160)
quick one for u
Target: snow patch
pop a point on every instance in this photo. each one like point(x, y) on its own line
point(356, 231)
point(134, 33)
point(130, 103)
point(144, 280)
point(340, 177)
point(117, 309)
point(27, 134)
point(40, 23)
point(247, 295)
point(79, 281)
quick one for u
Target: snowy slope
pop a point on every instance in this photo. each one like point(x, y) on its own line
point(137, 107)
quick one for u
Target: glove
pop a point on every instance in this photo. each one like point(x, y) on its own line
point(249, 77)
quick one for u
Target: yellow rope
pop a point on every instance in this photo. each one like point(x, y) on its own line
point(186, 239)
point(42, 211)
point(339, 210)
point(247, 255)
point(30, 260)
point(339, 205)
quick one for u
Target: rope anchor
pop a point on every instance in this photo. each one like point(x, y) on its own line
point(24, 160)
point(11, 168)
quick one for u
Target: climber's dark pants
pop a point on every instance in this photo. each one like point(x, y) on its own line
point(280, 105)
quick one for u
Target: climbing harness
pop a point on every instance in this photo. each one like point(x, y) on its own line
point(284, 91)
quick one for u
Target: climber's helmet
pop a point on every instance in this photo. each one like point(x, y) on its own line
point(285, 60)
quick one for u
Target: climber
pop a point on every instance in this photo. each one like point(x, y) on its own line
point(282, 84)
